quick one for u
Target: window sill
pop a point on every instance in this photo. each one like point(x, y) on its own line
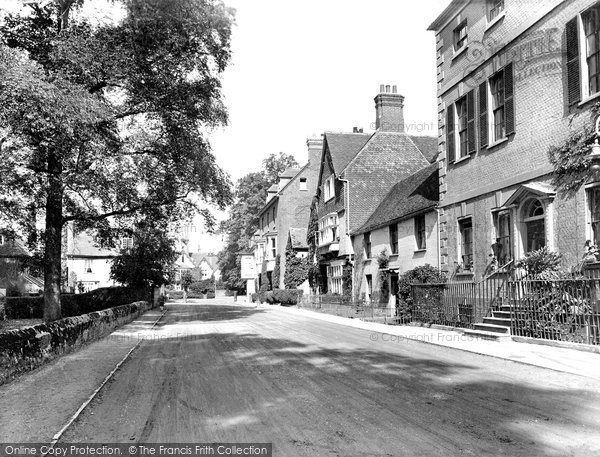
point(329, 199)
point(460, 52)
point(420, 250)
point(494, 21)
point(465, 273)
point(462, 159)
point(589, 99)
point(495, 144)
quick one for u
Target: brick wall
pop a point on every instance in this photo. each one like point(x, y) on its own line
point(534, 33)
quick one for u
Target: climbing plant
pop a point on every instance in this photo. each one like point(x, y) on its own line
point(296, 268)
point(571, 166)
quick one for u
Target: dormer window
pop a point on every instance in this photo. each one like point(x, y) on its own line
point(329, 188)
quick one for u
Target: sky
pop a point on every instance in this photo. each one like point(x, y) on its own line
point(302, 68)
point(299, 69)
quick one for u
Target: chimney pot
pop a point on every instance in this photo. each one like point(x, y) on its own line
point(394, 89)
point(354, 129)
point(381, 89)
point(387, 89)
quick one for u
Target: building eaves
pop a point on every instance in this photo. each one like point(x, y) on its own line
point(451, 10)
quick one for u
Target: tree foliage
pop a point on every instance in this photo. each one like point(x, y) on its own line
point(100, 121)
point(250, 196)
point(149, 261)
point(296, 268)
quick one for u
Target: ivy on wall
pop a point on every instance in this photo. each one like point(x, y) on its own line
point(569, 159)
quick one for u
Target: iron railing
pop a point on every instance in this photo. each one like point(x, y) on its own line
point(339, 305)
point(560, 310)
point(455, 304)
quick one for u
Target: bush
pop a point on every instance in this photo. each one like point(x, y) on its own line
point(203, 286)
point(285, 297)
point(420, 275)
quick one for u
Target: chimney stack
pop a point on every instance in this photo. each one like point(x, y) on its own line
point(389, 109)
point(315, 150)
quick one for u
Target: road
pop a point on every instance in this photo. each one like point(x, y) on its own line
point(234, 373)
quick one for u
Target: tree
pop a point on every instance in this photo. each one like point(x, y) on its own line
point(250, 196)
point(104, 121)
point(150, 260)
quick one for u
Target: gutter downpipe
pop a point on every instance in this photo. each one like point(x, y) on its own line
point(347, 209)
point(439, 239)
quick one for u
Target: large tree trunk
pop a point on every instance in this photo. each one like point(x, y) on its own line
point(53, 244)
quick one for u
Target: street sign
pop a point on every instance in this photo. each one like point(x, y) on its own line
point(248, 267)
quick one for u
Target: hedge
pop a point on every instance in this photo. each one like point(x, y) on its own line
point(74, 304)
point(285, 297)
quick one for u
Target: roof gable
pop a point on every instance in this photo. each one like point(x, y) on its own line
point(387, 158)
point(413, 195)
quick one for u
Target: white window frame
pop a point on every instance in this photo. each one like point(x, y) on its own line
point(328, 229)
point(523, 220)
point(329, 188)
point(588, 215)
point(489, 10)
point(461, 244)
point(303, 184)
point(491, 127)
point(2, 240)
point(584, 79)
point(496, 219)
point(272, 249)
point(458, 144)
point(424, 230)
point(463, 25)
point(335, 274)
point(127, 242)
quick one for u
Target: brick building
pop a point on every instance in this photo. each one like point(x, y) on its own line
point(404, 229)
point(514, 78)
point(287, 207)
point(357, 171)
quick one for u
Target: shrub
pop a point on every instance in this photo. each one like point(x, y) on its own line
point(425, 274)
point(285, 297)
point(541, 264)
point(203, 286)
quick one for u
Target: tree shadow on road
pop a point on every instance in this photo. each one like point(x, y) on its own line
point(456, 404)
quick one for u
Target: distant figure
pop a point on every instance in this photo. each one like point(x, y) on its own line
point(497, 249)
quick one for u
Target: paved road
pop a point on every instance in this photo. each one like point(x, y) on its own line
point(227, 373)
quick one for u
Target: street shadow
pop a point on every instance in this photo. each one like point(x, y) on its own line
point(205, 313)
point(485, 405)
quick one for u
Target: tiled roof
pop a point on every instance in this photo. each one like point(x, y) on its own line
point(13, 248)
point(298, 237)
point(428, 145)
point(343, 147)
point(413, 195)
point(84, 246)
point(388, 157)
point(289, 172)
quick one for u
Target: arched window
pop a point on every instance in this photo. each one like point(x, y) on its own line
point(533, 217)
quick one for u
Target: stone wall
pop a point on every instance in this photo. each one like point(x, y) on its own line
point(30, 347)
